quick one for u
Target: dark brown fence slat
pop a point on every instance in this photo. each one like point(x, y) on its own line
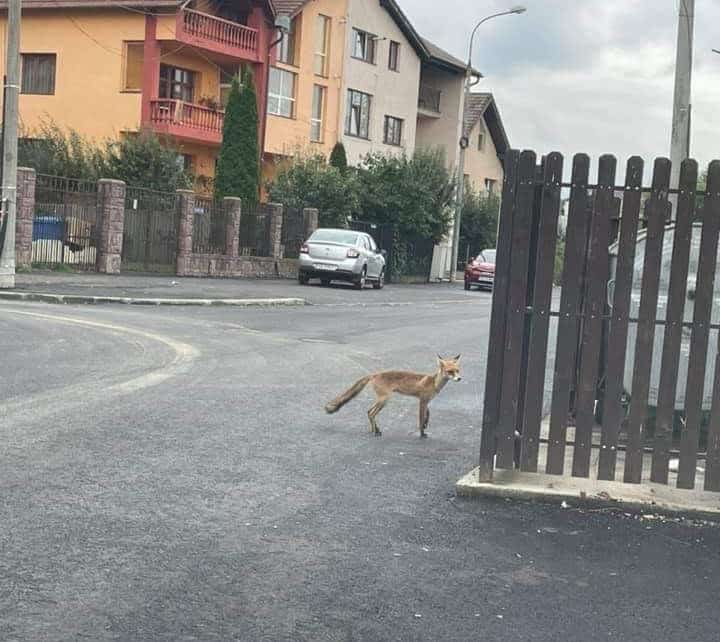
point(498, 320)
point(566, 350)
point(711, 212)
point(673, 322)
point(699, 338)
point(516, 317)
point(596, 276)
point(617, 341)
point(656, 212)
point(542, 296)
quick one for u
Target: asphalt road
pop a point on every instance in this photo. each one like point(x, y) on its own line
point(169, 474)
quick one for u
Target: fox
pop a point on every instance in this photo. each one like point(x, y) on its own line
point(423, 386)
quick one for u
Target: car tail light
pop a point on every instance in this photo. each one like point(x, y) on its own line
point(304, 249)
point(353, 254)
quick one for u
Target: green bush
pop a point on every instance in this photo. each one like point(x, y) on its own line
point(478, 226)
point(308, 181)
point(142, 160)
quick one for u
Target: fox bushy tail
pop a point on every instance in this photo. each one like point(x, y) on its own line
point(352, 392)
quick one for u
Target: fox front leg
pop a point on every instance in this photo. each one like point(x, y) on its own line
point(424, 418)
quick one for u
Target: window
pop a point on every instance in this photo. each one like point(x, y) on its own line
point(287, 48)
point(322, 38)
point(490, 186)
point(316, 118)
point(185, 161)
point(363, 46)
point(481, 136)
point(394, 57)
point(38, 74)
point(227, 73)
point(393, 130)
point(281, 93)
point(177, 83)
point(133, 66)
point(357, 119)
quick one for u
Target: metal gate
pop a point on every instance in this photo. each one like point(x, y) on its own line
point(618, 371)
point(150, 233)
point(293, 232)
point(64, 222)
point(254, 234)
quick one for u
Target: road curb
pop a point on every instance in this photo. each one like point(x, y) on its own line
point(81, 299)
point(575, 491)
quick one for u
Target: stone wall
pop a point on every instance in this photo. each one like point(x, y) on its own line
point(256, 267)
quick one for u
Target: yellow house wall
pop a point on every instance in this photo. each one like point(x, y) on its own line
point(285, 136)
point(482, 164)
point(89, 75)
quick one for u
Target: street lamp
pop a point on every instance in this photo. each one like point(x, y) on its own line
point(464, 141)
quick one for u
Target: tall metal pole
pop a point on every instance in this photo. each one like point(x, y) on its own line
point(9, 151)
point(680, 137)
point(464, 142)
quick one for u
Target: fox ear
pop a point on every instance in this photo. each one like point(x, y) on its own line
point(458, 358)
point(439, 358)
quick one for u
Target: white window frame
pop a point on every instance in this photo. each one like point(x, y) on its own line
point(351, 94)
point(394, 46)
point(316, 124)
point(366, 42)
point(282, 97)
point(397, 123)
point(322, 56)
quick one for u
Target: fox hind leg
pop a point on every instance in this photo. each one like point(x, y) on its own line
point(374, 412)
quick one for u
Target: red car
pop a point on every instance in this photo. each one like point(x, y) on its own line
point(481, 271)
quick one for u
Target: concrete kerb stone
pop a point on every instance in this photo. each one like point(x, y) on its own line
point(69, 299)
point(581, 492)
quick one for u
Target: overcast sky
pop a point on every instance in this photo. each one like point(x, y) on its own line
point(592, 76)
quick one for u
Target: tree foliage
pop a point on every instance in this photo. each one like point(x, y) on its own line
point(238, 168)
point(413, 194)
point(141, 160)
point(478, 226)
point(338, 157)
point(308, 181)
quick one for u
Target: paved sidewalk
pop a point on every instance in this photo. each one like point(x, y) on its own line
point(79, 287)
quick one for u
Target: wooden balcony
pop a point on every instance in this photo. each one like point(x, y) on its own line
point(186, 121)
point(218, 35)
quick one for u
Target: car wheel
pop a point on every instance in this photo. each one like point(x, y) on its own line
point(360, 283)
point(303, 279)
point(325, 282)
point(467, 284)
point(380, 283)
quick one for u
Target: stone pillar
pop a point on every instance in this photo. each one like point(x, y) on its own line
point(24, 217)
point(186, 216)
point(310, 221)
point(110, 225)
point(275, 212)
point(233, 210)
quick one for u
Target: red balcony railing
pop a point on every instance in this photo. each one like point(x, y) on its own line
point(186, 120)
point(224, 36)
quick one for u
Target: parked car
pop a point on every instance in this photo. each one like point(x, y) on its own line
point(481, 271)
point(342, 255)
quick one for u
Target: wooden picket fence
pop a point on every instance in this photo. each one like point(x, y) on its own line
point(596, 377)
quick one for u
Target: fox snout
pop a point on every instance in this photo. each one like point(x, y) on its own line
point(457, 378)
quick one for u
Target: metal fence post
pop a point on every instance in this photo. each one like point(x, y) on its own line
point(275, 211)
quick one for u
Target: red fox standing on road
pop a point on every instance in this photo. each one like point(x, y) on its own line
point(413, 384)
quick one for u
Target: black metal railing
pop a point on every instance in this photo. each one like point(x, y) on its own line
point(150, 232)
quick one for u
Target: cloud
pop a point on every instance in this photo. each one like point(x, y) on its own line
point(586, 76)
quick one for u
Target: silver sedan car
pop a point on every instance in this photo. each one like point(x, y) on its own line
point(342, 255)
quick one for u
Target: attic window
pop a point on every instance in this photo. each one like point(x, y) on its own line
point(481, 135)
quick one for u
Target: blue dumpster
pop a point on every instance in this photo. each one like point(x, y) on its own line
point(48, 227)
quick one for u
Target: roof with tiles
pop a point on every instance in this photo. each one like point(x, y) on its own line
point(482, 105)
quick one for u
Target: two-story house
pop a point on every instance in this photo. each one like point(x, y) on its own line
point(105, 69)
point(348, 71)
point(444, 118)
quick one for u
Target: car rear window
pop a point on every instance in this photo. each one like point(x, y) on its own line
point(488, 256)
point(346, 237)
